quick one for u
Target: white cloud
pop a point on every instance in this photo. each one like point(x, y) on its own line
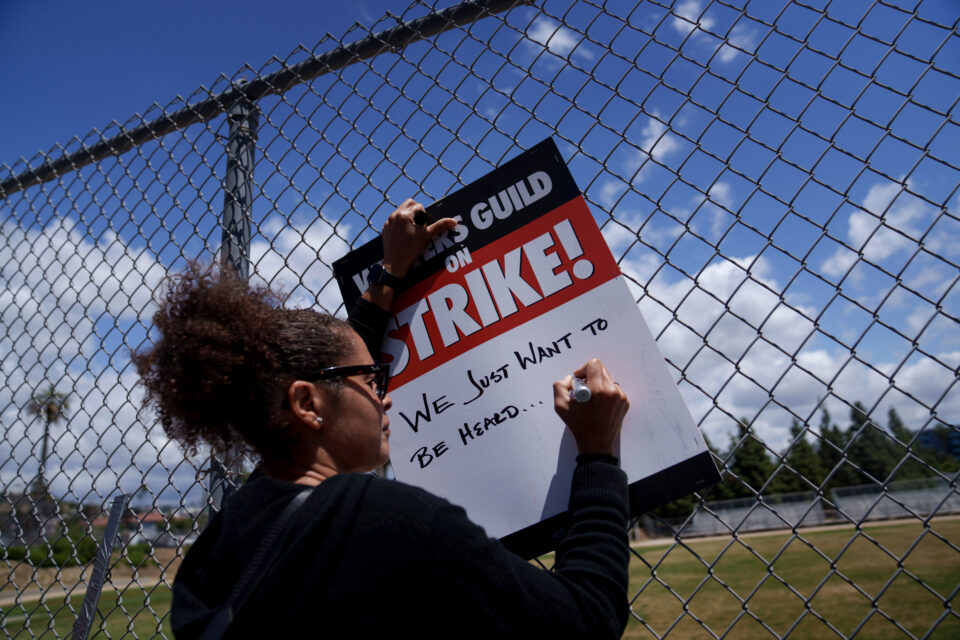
point(728, 305)
point(656, 141)
point(927, 381)
point(919, 318)
point(887, 223)
point(610, 192)
point(297, 258)
point(720, 193)
point(689, 17)
point(720, 219)
point(932, 279)
point(621, 232)
point(556, 38)
point(106, 443)
point(743, 38)
point(58, 291)
point(758, 355)
point(816, 375)
point(60, 266)
point(840, 262)
point(65, 300)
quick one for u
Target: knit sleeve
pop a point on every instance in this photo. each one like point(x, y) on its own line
point(595, 552)
point(505, 596)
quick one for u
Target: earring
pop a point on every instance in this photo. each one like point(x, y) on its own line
point(319, 420)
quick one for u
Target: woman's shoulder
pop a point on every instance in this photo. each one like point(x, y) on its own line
point(364, 503)
point(416, 527)
point(388, 494)
point(392, 503)
point(356, 488)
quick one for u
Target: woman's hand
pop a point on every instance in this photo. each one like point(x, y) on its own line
point(404, 240)
point(595, 424)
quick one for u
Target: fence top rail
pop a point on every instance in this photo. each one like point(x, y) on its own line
point(280, 81)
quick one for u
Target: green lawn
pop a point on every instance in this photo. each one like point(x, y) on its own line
point(145, 613)
point(735, 571)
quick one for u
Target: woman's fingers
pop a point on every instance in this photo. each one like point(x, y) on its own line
point(595, 375)
point(596, 423)
point(561, 394)
point(418, 214)
point(404, 240)
point(440, 226)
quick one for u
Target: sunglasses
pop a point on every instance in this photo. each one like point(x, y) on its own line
point(380, 371)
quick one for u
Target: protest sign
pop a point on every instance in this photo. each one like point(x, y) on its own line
point(521, 293)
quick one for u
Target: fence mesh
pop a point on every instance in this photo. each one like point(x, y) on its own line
point(777, 179)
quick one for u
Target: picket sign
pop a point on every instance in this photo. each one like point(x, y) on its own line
point(520, 294)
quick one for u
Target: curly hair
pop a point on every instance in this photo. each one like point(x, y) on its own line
point(226, 354)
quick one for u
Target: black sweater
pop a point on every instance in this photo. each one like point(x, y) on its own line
point(368, 558)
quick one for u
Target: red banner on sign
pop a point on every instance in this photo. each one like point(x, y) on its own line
point(547, 262)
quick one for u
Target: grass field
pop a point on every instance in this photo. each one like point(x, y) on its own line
point(737, 569)
point(143, 613)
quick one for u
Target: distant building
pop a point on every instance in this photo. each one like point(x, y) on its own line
point(942, 439)
point(151, 527)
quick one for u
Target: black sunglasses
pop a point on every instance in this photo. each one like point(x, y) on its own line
point(380, 371)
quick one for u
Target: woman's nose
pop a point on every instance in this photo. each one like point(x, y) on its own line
point(387, 402)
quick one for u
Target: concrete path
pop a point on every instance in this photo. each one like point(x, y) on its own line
point(659, 542)
point(56, 592)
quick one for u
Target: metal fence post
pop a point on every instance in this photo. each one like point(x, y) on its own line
point(81, 628)
point(243, 118)
point(221, 482)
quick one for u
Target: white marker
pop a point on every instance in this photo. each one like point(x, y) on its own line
point(580, 391)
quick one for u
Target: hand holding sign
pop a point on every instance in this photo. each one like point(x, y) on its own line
point(404, 240)
point(595, 424)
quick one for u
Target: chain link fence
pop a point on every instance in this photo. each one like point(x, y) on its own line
point(777, 179)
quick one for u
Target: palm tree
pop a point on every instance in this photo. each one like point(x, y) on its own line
point(52, 406)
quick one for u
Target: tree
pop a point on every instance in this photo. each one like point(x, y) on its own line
point(871, 448)
point(897, 428)
point(51, 406)
point(802, 458)
point(911, 468)
point(830, 452)
point(751, 465)
point(682, 507)
point(929, 458)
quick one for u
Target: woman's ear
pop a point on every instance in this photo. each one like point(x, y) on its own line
point(305, 403)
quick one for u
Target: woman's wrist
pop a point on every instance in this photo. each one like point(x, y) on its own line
point(395, 269)
point(587, 458)
point(589, 443)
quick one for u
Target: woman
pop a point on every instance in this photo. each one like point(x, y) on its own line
point(362, 557)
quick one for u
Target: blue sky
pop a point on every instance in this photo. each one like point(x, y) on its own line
point(71, 67)
point(789, 222)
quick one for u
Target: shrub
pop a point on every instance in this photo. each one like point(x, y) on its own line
point(15, 554)
point(73, 548)
point(138, 555)
point(40, 556)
